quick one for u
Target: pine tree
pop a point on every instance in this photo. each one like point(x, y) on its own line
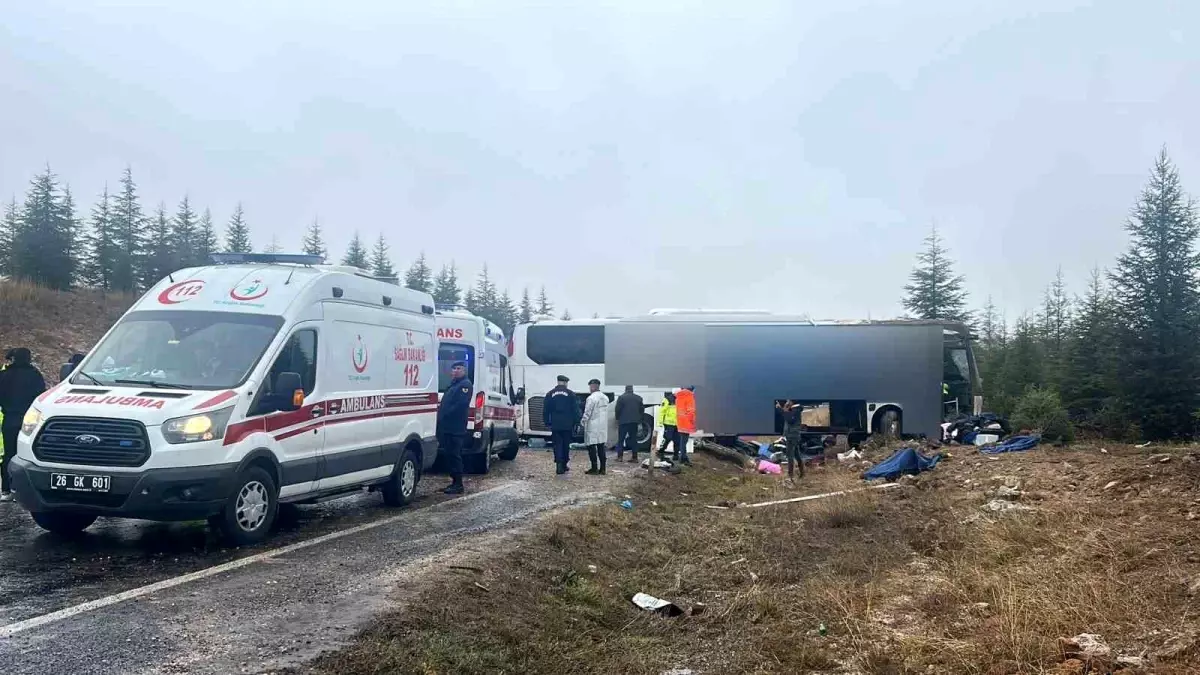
point(1158, 305)
point(160, 258)
point(446, 290)
point(381, 260)
point(8, 230)
point(356, 254)
point(100, 245)
point(1023, 362)
point(544, 306)
point(989, 324)
point(526, 310)
point(184, 233)
point(1089, 376)
point(486, 300)
point(71, 238)
point(935, 291)
point(207, 242)
point(128, 224)
point(566, 315)
point(1054, 326)
point(273, 245)
point(470, 302)
point(506, 315)
point(237, 233)
point(314, 241)
point(419, 277)
point(43, 237)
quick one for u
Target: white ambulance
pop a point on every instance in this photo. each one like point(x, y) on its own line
point(481, 344)
point(229, 389)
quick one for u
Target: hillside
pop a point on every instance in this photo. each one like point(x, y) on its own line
point(54, 324)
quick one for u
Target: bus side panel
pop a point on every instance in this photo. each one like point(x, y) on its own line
point(752, 366)
point(664, 355)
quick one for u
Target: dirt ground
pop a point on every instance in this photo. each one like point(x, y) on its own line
point(54, 325)
point(979, 566)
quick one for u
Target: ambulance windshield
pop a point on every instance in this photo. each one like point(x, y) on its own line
point(180, 350)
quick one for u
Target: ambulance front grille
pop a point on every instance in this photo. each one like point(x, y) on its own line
point(536, 406)
point(89, 441)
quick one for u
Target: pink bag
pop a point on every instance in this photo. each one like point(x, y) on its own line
point(769, 467)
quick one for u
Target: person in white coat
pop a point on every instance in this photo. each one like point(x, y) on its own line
point(595, 428)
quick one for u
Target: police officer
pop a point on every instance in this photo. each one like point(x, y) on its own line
point(452, 424)
point(561, 414)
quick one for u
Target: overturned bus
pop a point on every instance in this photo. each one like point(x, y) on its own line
point(895, 377)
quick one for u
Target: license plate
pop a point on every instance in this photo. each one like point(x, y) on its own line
point(76, 483)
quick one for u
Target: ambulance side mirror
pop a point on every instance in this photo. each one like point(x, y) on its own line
point(519, 397)
point(64, 371)
point(290, 391)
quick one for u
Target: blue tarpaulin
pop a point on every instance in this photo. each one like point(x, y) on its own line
point(1014, 444)
point(764, 450)
point(905, 460)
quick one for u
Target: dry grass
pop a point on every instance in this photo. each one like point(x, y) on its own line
point(915, 579)
point(55, 324)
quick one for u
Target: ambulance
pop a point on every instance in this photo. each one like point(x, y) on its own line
point(228, 390)
point(482, 345)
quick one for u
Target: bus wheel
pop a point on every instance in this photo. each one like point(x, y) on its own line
point(645, 433)
point(889, 423)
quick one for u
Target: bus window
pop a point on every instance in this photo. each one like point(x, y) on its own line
point(558, 345)
point(448, 354)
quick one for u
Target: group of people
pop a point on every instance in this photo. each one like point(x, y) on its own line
point(20, 385)
point(562, 414)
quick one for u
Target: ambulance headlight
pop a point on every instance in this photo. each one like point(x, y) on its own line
point(197, 428)
point(33, 417)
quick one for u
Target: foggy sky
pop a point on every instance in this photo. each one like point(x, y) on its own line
point(629, 155)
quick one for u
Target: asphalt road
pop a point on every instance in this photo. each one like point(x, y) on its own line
point(140, 597)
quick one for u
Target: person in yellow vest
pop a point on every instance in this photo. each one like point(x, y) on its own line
point(667, 419)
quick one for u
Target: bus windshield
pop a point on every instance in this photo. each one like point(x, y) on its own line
point(565, 345)
point(180, 350)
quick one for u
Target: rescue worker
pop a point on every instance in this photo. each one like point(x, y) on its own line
point(685, 420)
point(793, 426)
point(595, 428)
point(666, 419)
point(561, 413)
point(20, 386)
point(453, 413)
point(629, 415)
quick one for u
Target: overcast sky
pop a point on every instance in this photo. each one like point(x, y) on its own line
point(628, 155)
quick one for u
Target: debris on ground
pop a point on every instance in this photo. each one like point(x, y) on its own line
point(1014, 444)
point(904, 460)
point(1002, 506)
point(769, 467)
point(849, 456)
point(1089, 649)
point(627, 505)
point(657, 605)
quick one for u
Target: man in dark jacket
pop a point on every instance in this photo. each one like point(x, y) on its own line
point(629, 416)
point(20, 385)
point(453, 415)
point(561, 413)
point(793, 435)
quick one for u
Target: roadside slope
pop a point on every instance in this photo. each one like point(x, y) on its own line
point(55, 324)
point(928, 577)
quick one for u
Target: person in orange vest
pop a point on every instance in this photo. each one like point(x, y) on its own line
point(685, 420)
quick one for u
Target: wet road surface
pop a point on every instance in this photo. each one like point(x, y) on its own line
point(275, 609)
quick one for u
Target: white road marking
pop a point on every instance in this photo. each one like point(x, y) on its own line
point(788, 501)
point(68, 612)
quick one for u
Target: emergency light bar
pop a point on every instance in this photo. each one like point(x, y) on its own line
point(267, 258)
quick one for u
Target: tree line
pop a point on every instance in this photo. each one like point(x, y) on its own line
point(1123, 357)
point(123, 248)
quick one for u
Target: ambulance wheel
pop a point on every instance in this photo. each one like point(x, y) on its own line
point(509, 453)
point(65, 524)
point(250, 510)
point(400, 489)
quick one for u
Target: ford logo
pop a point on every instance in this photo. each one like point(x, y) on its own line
point(87, 439)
